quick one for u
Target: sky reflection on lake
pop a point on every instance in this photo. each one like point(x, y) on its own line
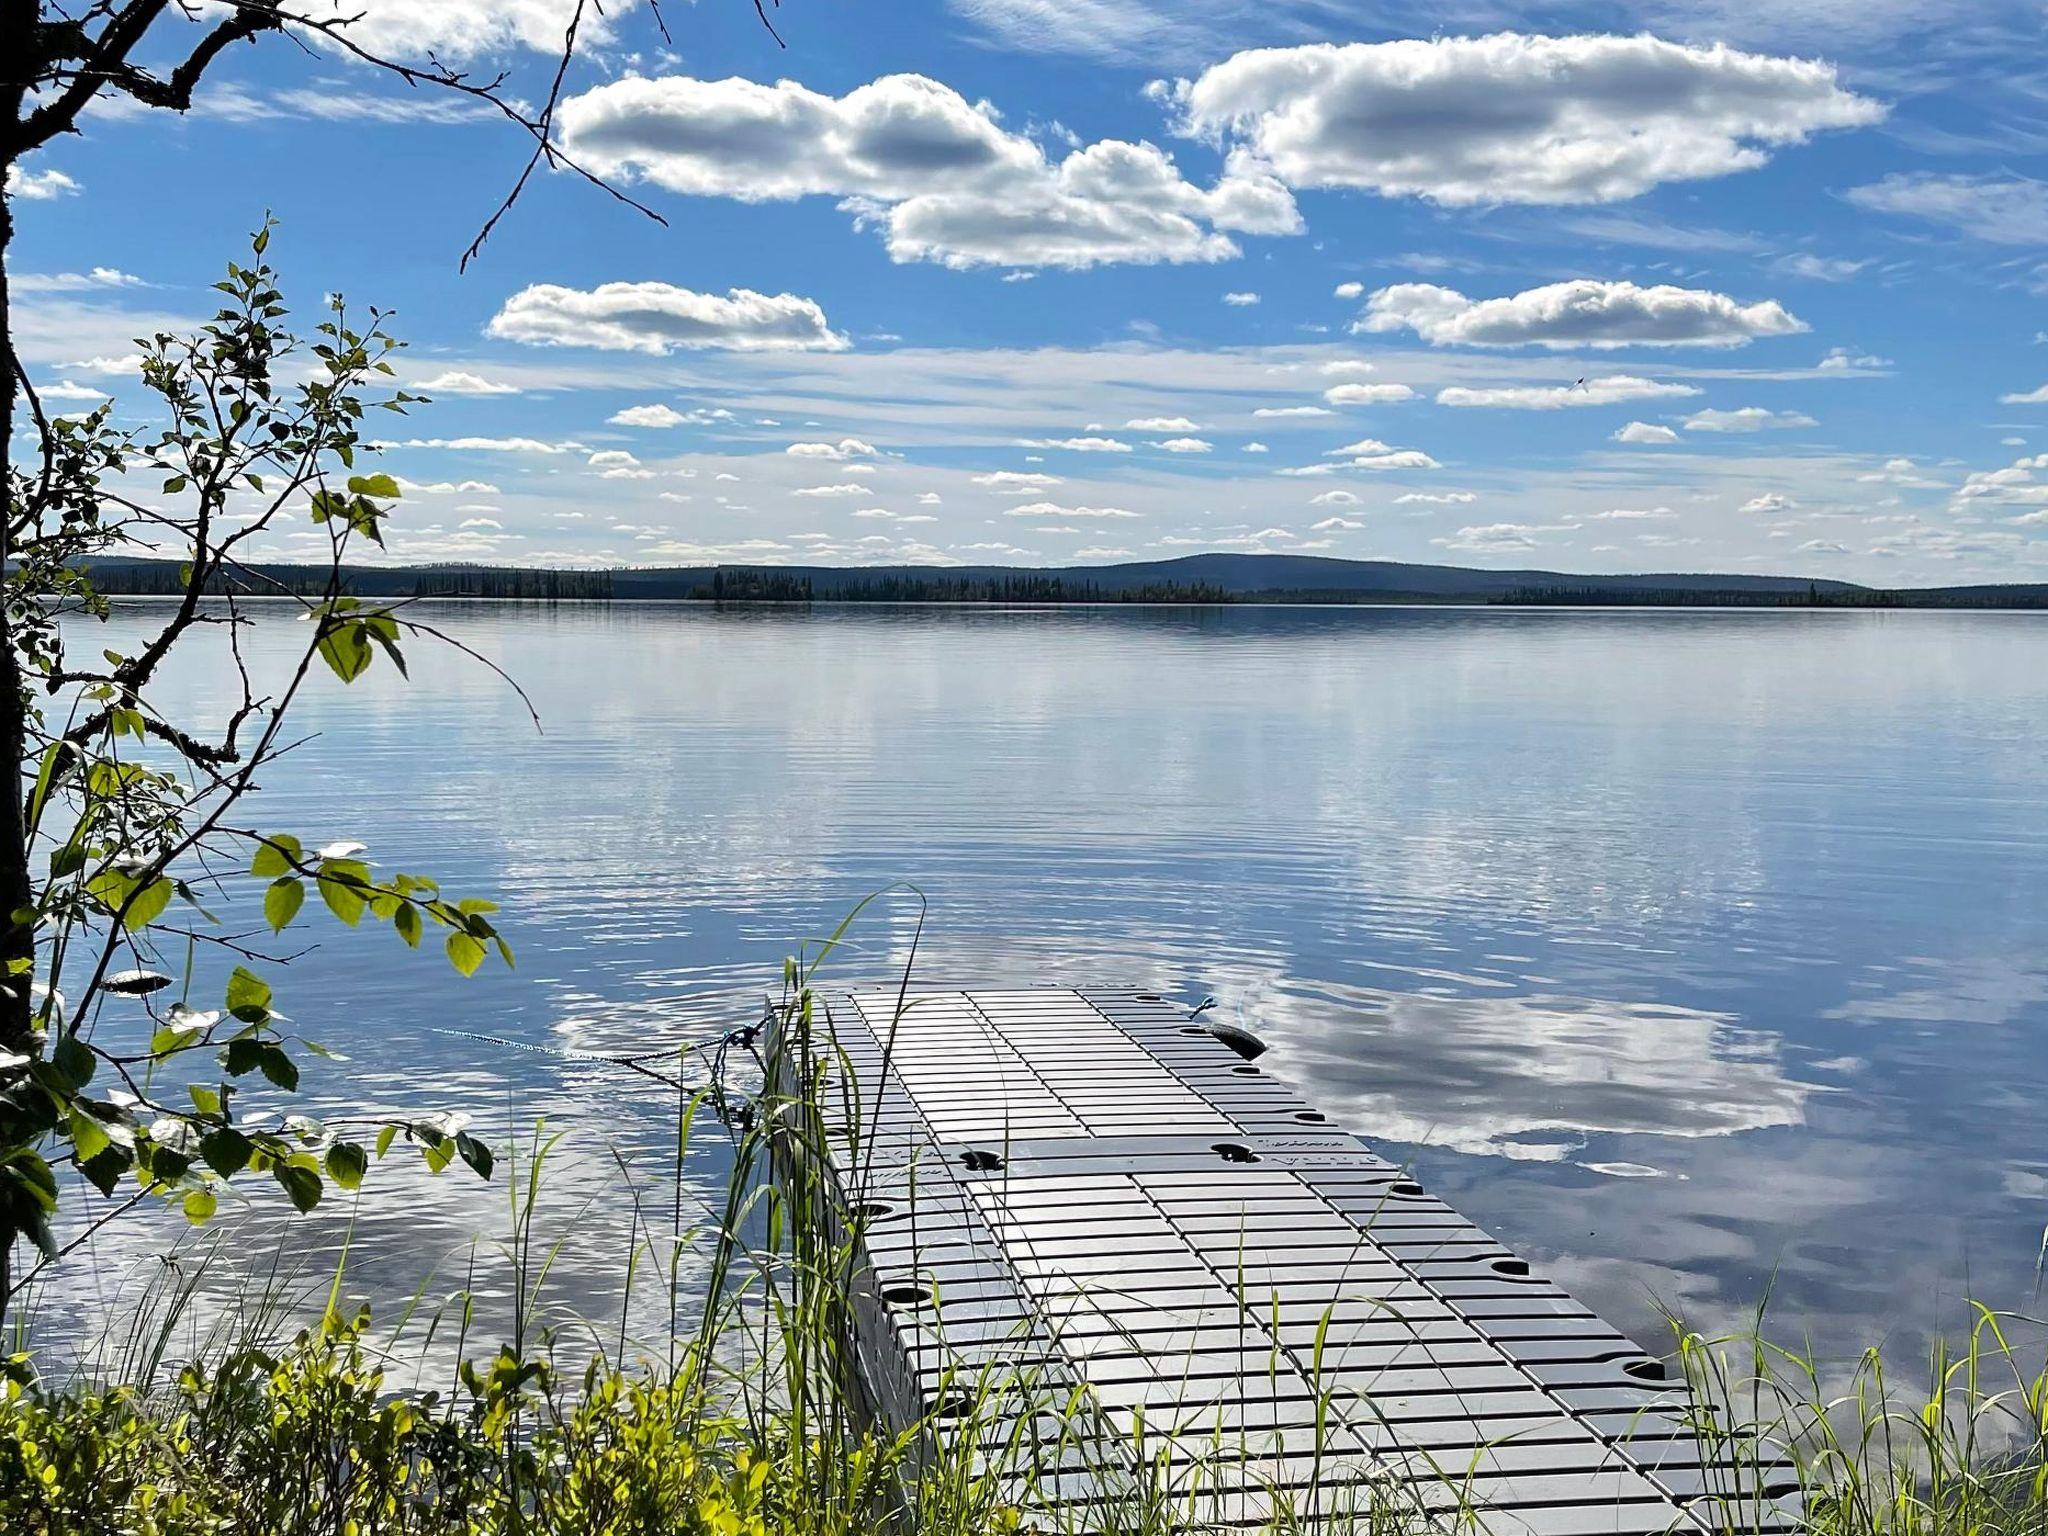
point(1693, 953)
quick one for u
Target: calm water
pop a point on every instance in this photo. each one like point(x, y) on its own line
point(1692, 953)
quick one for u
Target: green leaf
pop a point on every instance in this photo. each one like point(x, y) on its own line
point(301, 1183)
point(407, 921)
point(474, 1153)
point(241, 1056)
point(346, 1164)
point(200, 1205)
point(465, 953)
point(149, 904)
point(282, 901)
point(278, 855)
point(248, 996)
point(345, 647)
point(373, 485)
point(226, 1151)
point(279, 1067)
point(384, 1139)
point(88, 1135)
point(341, 887)
point(74, 1061)
point(205, 1100)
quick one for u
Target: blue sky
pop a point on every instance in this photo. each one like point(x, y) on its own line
point(1626, 287)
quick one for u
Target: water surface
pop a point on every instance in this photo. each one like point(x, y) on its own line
point(1693, 953)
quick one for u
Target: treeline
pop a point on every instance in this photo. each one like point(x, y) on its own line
point(1811, 597)
point(168, 578)
point(773, 586)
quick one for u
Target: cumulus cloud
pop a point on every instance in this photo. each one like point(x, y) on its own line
point(2003, 210)
point(1748, 418)
point(1332, 524)
point(1162, 424)
point(1272, 411)
point(1077, 444)
point(455, 382)
point(64, 389)
point(660, 317)
point(846, 448)
point(1580, 313)
point(1367, 394)
point(1843, 360)
point(1053, 509)
point(1645, 432)
point(1435, 498)
point(1348, 290)
point(2026, 397)
point(1494, 538)
point(1014, 482)
point(1366, 453)
point(465, 29)
point(843, 488)
point(1770, 501)
point(1512, 118)
point(941, 178)
point(1635, 515)
point(647, 416)
point(1185, 445)
point(1335, 499)
point(1611, 390)
point(38, 186)
point(489, 444)
point(1241, 300)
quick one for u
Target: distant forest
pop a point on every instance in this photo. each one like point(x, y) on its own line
point(1197, 579)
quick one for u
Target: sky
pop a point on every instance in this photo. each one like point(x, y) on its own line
point(1640, 286)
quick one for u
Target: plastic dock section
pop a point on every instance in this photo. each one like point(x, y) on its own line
point(1132, 1264)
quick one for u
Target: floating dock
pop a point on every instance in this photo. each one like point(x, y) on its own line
point(1095, 1236)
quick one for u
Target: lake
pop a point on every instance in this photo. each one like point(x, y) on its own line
point(1692, 953)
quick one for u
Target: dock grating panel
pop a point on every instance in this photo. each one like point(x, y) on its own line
point(1082, 1197)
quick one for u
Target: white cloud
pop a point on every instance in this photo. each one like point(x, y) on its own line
point(1493, 538)
point(1435, 498)
point(1273, 411)
point(481, 522)
point(71, 282)
point(38, 186)
point(1348, 290)
point(1645, 432)
point(1242, 300)
point(65, 390)
point(1611, 390)
point(1367, 453)
point(1821, 269)
point(1338, 498)
point(1636, 515)
point(846, 448)
point(2004, 210)
point(1013, 482)
point(1052, 509)
point(490, 444)
point(1367, 394)
point(466, 29)
point(2029, 397)
point(1162, 424)
point(1511, 118)
point(613, 458)
point(1770, 501)
point(660, 317)
point(1256, 448)
point(1076, 444)
point(1821, 547)
point(1332, 524)
point(1843, 360)
point(1580, 313)
point(938, 174)
point(455, 382)
point(1185, 445)
point(647, 416)
point(1099, 552)
point(843, 488)
point(1748, 418)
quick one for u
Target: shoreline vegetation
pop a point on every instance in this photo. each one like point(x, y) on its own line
point(1191, 580)
point(746, 1419)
